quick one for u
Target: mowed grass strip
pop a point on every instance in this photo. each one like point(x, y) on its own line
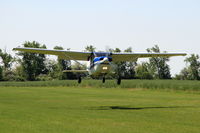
point(110, 110)
point(186, 85)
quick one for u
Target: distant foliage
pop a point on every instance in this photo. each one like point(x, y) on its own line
point(33, 64)
point(194, 66)
point(129, 67)
point(53, 68)
point(192, 71)
point(7, 60)
point(1, 73)
point(63, 65)
point(125, 69)
point(90, 48)
point(158, 65)
point(143, 71)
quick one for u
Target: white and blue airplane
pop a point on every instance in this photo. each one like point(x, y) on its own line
point(101, 63)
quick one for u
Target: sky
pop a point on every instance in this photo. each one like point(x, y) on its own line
point(173, 25)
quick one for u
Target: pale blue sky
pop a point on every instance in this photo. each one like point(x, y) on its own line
point(172, 24)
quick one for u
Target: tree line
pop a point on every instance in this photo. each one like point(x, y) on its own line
point(31, 66)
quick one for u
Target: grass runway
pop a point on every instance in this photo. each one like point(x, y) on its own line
point(97, 110)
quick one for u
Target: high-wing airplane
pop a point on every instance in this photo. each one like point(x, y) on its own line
point(101, 63)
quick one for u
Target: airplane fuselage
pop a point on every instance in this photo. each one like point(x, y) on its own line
point(101, 66)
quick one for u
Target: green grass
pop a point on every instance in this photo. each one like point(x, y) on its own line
point(148, 84)
point(97, 110)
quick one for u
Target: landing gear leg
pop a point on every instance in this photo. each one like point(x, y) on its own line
point(104, 79)
point(119, 80)
point(79, 79)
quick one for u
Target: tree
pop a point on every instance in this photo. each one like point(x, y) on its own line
point(124, 69)
point(118, 70)
point(64, 65)
point(1, 73)
point(53, 68)
point(143, 72)
point(7, 60)
point(19, 71)
point(1, 69)
point(90, 48)
point(129, 66)
point(158, 65)
point(33, 63)
point(185, 74)
point(194, 67)
point(78, 66)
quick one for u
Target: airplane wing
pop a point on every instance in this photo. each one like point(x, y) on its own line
point(62, 54)
point(84, 56)
point(117, 57)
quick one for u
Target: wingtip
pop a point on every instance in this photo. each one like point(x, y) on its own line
point(14, 49)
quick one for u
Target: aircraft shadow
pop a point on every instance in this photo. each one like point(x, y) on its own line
point(138, 108)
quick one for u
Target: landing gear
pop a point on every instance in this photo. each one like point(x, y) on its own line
point(79, 79)
point(104, 79)
point(119, 80)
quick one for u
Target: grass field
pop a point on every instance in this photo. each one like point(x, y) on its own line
point(148, 84)
point(77, 109)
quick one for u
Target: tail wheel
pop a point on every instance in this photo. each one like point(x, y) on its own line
point(79, 79)
point(119, 81)
point(104, 79)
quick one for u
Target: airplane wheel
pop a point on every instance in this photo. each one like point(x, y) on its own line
point(79, 79)
point(104, 79)
point(119, 81)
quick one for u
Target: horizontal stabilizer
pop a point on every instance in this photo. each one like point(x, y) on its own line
point(76, 71)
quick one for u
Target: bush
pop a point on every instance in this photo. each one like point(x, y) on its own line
point(19, 78)
point(8, 75)
point(1, 73)
point(43, 77)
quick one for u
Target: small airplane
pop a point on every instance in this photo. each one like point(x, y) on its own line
point(101, 63)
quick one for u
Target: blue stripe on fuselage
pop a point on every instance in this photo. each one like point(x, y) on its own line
point(101, 58)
